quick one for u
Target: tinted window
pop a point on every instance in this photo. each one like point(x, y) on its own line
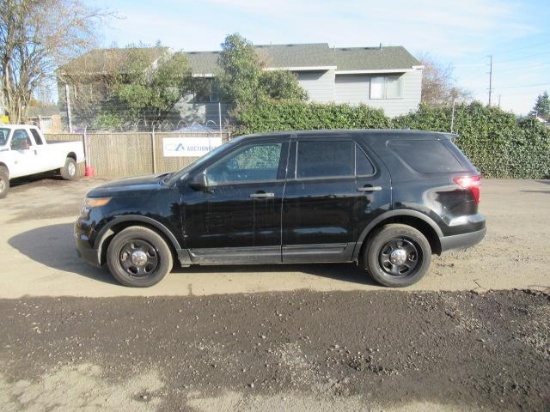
point(36, 136)
point(251, 163)
point(363, 165)
point(325, 158)
point(426, 156)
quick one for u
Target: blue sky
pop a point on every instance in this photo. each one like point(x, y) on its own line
point(462, 34)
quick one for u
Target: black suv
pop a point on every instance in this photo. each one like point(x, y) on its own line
point(383, 199)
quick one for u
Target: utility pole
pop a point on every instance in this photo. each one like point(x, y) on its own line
point(69, 113)
point(490, 78)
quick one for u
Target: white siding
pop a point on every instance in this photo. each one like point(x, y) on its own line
point(355, 89)
point(412, 86)
point(352, 88)
point(318, 85)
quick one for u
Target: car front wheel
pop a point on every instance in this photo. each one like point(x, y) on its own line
point(397, 255)
point(4, 182)
point(138, 256)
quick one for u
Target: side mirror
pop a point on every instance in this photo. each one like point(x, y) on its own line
point(199, 182)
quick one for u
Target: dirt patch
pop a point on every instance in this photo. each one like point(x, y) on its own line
point(287, 351)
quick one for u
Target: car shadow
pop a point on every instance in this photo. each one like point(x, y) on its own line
point(337, 271)
point(53, 246)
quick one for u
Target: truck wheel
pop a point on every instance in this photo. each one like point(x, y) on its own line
point(397, 255)
point(4, 182)
point(69, 171)
point(139, 257)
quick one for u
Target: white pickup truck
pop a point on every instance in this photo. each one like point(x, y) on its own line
point(24, 152)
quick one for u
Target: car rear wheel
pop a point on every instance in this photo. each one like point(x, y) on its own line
point(70, 170)
point(397, 255)
point(138, 256)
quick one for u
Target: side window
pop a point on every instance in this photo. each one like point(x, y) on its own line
point(363, 166)
point(20, 140)
point(37, 137)
point(325, 158)
point(426, 156)
point(252, 163)
point(4, 136)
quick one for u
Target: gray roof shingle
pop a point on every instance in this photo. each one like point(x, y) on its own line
point(273, 56)
point(315, 55)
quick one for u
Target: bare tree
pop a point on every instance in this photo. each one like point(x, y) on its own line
point(35, 37)
point(438, 86)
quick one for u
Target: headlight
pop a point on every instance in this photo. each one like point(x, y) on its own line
point(91, 202)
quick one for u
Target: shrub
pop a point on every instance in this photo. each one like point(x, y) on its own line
point(499, 144)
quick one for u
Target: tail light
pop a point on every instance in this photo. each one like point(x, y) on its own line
point(471, 183)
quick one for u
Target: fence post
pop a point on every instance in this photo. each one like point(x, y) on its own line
point(154, 148)
point(89, 169)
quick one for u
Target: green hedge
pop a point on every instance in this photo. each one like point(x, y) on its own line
point(500, 145)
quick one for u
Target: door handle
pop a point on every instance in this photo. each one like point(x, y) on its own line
point(262, 195)
point(369, 189)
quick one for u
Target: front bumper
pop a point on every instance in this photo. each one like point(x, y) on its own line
point(84, 249)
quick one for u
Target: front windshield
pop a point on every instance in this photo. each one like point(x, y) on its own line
point(4, 133)
point(197, 163)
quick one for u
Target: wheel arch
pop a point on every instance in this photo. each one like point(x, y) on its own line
point(107, 233)
point(5, 166)
point(72, 155)
point(412, 218)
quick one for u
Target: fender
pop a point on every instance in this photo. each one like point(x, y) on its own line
point(107, 231)
point(395, 213)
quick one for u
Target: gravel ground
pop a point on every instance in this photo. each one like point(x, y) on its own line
point(472, 335)
point(364, 351)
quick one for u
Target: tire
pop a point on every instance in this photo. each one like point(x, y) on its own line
point(138, 256)
point(4, 182)
point(70, 170)
point(397, 255)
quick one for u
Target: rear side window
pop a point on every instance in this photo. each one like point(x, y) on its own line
point(37, 137)
point(325, 158)
point(338, 158)
point(426, 156)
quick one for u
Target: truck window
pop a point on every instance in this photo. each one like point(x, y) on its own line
point(37, 137)
point(20, 140)
point(4, 136)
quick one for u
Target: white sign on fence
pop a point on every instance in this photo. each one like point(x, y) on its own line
point(189, 146)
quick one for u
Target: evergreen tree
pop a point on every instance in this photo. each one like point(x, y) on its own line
point(542, 107)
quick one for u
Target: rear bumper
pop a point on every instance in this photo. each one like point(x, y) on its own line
point(463, 240)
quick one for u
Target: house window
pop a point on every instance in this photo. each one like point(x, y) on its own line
point(205, 90)
point(386, 87)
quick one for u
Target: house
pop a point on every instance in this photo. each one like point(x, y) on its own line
point(387, 78)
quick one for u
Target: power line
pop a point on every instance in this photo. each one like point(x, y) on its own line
point(518, 86)
point(520, 58)
point(525, 47)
